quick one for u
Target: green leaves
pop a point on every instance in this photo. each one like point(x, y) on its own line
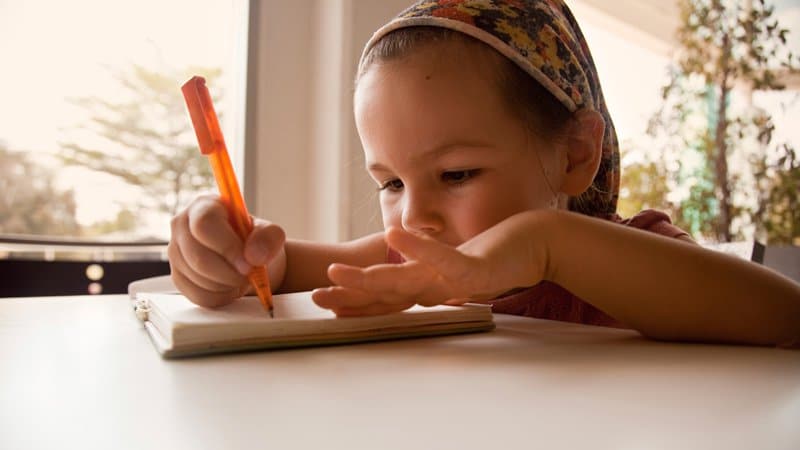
point(733, 50)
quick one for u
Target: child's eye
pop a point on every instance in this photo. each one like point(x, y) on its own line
point(394, 185)
point(458, 177)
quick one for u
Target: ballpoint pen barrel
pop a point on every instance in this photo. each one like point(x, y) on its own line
point(239, 219)
point(230, 195)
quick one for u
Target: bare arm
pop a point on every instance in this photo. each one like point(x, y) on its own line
point(669, 289)
point(665, 288)
point(307, 262)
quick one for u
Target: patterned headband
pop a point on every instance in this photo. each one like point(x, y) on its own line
point(543, 38)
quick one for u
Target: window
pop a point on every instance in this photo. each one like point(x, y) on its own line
point(632, 43)
point(95, 141)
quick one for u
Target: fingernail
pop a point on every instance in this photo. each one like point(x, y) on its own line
point(242, 266)
point(257, 253)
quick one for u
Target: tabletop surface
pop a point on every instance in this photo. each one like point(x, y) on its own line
point(81, 372)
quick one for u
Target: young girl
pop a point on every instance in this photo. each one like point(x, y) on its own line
point(484, 127)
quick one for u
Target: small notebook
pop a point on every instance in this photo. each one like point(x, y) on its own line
point(178, 327)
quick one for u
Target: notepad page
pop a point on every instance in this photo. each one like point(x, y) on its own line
point(182, 322)
point(296, 305)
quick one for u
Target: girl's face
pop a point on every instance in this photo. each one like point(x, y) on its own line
point(449, 157)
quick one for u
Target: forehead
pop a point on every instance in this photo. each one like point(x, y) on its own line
point(440, 93)
point(450, 64)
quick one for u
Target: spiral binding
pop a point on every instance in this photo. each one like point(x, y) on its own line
point(141, 307)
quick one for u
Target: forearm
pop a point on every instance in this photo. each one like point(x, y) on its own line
point(307, 262)
point(669, 289)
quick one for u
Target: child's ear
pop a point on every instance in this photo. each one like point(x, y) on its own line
point(584, 147)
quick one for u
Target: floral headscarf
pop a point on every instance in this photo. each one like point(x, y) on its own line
point(543, 38)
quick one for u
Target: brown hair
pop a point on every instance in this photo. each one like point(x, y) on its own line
point(544, 114)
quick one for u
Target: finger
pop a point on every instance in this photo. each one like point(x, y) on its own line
point(207, 268)
point(407, 279)
point(436, 295)
point(457, 301)
point(203, 297)
point(264, 243)
point(372, 310)
point(391, 284)
point(179, 265)
point(208, 224)
point(448, 261)
point(341, 297)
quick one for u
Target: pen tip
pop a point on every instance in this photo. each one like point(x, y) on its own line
point(271, 314)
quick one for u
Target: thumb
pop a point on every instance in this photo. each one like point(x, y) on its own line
point(264, 243)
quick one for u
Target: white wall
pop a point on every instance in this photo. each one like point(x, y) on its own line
point(303, 159)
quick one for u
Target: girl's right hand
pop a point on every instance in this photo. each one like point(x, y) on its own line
point(208, 260)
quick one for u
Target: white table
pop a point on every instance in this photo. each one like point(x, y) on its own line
point(80, 372)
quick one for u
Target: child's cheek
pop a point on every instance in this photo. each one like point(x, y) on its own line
point(391, 213)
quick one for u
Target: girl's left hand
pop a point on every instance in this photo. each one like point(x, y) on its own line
point(508, 255)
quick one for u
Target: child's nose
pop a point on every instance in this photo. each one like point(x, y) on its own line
point(420, 214)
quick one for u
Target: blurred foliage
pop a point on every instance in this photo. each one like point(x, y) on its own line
point(30, 204)
point(779, 204)
point(124, 222)
point(650, 180)
point(724, 45)
point(145, 139)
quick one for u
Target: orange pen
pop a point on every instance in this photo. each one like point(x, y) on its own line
point(209, 136)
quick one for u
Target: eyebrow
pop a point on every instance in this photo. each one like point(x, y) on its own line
point(437, 152)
